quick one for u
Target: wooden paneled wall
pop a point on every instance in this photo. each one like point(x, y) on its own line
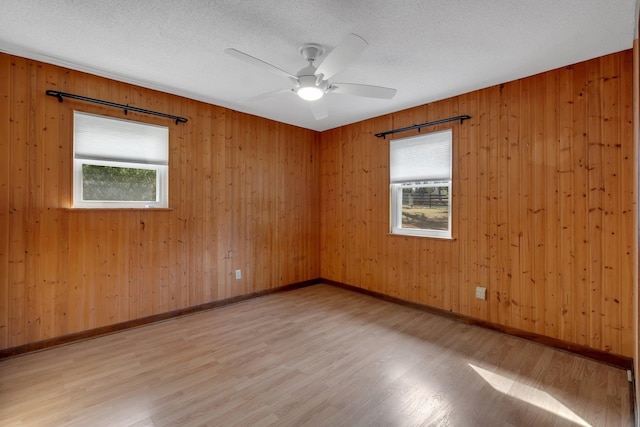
point(244, 194)
point(636, 296)
point(544, 207)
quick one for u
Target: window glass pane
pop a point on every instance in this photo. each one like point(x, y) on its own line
point(118, 183)
point(425, 208)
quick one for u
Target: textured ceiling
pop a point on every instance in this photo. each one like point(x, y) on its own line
point(427, 49)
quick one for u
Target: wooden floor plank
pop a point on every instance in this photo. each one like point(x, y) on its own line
point(318, 356)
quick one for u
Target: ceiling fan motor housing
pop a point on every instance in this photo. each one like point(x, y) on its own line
point(311, 51)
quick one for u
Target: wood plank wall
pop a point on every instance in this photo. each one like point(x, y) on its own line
point(543, 195)
point(544, 207)
point(244, 194)
point(636, 298)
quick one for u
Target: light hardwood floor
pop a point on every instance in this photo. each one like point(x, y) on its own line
point(317, 356)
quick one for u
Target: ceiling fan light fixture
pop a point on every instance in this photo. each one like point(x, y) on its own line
point(310, 93)
point(308, 90)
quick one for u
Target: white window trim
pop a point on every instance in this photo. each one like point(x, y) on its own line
point(122, 157)
point(396, 195)
point(396, 214)
point(161, 190)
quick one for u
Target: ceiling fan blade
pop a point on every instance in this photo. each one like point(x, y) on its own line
point(319, 109)
point(341, 55)
point(258, 62)
point(364, 90)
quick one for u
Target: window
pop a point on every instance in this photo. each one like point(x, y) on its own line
point(420, 172)
point(119, 163)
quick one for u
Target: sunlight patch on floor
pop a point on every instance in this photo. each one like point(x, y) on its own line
point(528, 394)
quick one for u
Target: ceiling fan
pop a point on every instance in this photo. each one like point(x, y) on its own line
point(312, 82)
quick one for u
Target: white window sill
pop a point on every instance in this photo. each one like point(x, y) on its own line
point(421, 236)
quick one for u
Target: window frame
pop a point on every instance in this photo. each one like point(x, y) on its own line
point(161, 169)
point(396, 205)
point(78, 186)
point(395, 191)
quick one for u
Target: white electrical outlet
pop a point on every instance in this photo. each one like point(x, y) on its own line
point(238, 274)
point(481, 293)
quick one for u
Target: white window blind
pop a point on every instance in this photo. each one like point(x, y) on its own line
point(105, 138)
point(421, 158)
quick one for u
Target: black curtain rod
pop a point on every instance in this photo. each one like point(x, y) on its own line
point(437, 122)
point(126, 108)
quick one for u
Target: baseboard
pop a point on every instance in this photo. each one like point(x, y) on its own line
point(616, 360)
point(104, 330)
